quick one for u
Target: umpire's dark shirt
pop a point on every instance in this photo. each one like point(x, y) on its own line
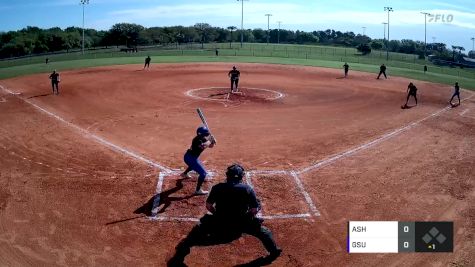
point(233, 200)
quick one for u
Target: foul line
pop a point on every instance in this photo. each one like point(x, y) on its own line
point(374, 142)
point(95, 137)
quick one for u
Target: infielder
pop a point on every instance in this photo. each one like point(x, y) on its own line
point(411, 91)
point(346, 67)
point(202, 140)
point(234, 75)
point(233, 207)
point(456, 93)
point(55, 79)
point(382, 70)
point(147, 62)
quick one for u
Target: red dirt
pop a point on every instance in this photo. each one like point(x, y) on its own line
point(63, 196)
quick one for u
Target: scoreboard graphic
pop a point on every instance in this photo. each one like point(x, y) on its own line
point(399, 237)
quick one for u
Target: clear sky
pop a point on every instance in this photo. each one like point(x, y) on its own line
point(406, 20)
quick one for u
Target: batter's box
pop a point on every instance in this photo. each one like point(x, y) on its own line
point(282, 195)
point(175, 197)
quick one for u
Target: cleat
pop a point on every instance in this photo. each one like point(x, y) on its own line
point(201, 192)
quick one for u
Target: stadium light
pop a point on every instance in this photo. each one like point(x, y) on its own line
point(388, 9)
point(425, 32)
point(242, 20)
point(473, 43)
point(83, 3)
point(278, 32)
point(268, 29)
point(364, 31)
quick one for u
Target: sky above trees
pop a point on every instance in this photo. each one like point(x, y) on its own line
point(455, 24)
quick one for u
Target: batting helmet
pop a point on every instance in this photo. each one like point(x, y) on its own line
point(202, 130)
point(235, 172)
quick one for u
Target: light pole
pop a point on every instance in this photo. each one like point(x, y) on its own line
point(473, 43)
point(268, 29)
point(425, 32)
point(364, 30)
point(83, 3)
point(242, 20)
point(278, 32)
point(388, 9)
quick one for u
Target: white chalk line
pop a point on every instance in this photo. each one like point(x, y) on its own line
point(197, 219)
point(372, 143)
point(95, 137)
point(307, 197)
point(464, 112)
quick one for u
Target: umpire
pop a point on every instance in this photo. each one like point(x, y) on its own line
point(233, 207)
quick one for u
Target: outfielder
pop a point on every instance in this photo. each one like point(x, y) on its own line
point(234, 75)
point(202, 140)
point(456, 93)
point(55, 79)
point(411, 91)
point(233, 207)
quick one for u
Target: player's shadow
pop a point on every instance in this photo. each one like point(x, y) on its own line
point(407, 106)
point(220, 238)
point(35, 96)
point(164, 199)
point(341, 77)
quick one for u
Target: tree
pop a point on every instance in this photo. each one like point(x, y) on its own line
point(364, 49)
point(231, 29)
point(377, 45)
point(126, 33)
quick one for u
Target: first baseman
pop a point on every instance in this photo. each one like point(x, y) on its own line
point(202, 140)
point(55, 79)
point(233, 206)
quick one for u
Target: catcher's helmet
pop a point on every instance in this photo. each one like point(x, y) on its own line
point(202, 130)
point(235, 172)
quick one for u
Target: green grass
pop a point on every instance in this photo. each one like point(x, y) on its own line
point(330, 57)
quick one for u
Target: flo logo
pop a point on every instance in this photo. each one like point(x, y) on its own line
point(443, 18)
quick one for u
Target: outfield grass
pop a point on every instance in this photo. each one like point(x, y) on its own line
point(466, 83)
point(332, 57)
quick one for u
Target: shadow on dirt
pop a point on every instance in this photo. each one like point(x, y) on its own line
point(163, 198)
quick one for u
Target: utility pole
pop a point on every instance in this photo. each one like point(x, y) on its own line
point(242, 20)
point(278, 32)
point(268, 29)
point(83, 3)
point(388, 9)
point(425, 32)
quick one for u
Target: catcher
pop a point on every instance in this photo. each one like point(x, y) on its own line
point(202, 140)
point(234, 75)
point(233, 207)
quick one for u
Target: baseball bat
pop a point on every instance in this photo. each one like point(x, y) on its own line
point(203, 119)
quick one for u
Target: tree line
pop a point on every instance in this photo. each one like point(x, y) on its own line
point(33, 40)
